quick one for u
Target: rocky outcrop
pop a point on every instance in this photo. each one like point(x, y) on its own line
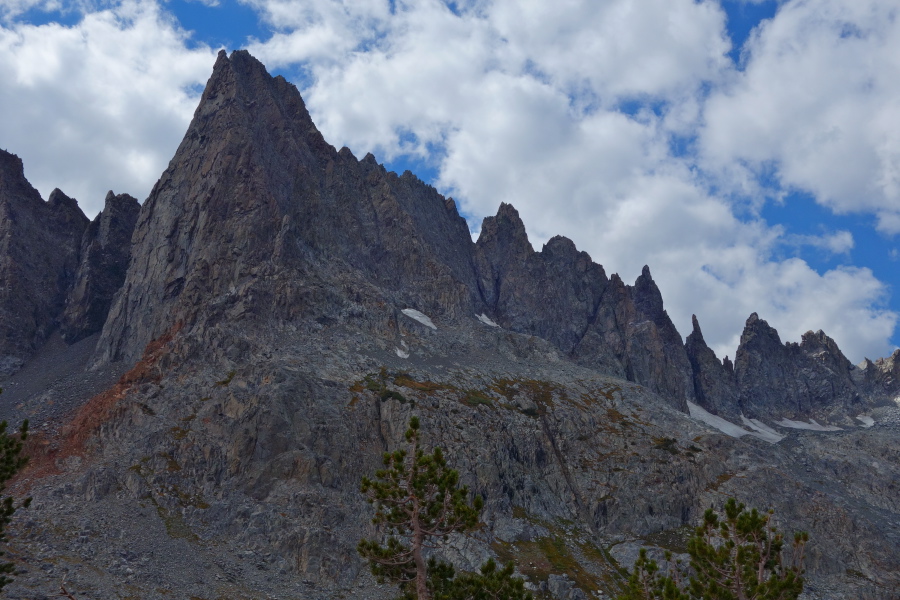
point(103, 262)
point(39, 246)
point(553, 294)
point(257, 217)
point(561, 295)
point(792, 379)
point(714, 382)
point(881, 378)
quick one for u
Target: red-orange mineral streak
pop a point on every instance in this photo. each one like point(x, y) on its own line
point(45, 456)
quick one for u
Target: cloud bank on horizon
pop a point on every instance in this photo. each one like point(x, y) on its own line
point(756, 173)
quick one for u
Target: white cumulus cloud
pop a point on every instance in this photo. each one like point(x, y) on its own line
point(817, 107)
point(102, 104)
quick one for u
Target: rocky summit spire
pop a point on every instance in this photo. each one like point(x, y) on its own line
point(255, 206)
point(791, 379)
point(714, 384)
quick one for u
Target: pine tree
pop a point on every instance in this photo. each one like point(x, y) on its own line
point(11, 462)
point(490, 583)
point(735, 556)
point(418, 497)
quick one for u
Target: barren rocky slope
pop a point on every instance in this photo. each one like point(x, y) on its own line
point(287, 307)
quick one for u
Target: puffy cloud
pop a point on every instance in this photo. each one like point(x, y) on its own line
point(101, 104)
point(838, 242)
point(817, 108)
point(10, 9)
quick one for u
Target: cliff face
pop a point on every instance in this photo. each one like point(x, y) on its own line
point(104, 256)
point(792, 379)
point(256, 202)
point(561, 295)
point(286, 307)
point(714, 381)
point(39, 244)
point(58, 270)
point(256, 212)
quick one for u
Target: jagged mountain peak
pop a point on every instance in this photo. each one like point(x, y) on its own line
point(505, 229)
point(39, 244)
point(11, 166)
point(67, 209)
point(648, 297)
point(256, 202)
point(13, 185)
point(695, 331)
point(758, 331)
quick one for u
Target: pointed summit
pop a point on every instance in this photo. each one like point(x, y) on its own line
point(255, 201)
point(505, 233)
point(714, 383)
point(790, 379)
point(647, 296)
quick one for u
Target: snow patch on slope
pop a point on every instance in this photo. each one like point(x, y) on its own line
point(418, 316)
point(758, 430)
point(867, 421)
point(762, 430)
point(486, 320)
point(811, 426)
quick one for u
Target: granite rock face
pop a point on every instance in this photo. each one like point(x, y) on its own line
point(257, 217)
point(792, 379)
point(881, 378)
point(561, 295)
point(39, 246)
point(103, 261)
point(714, 382)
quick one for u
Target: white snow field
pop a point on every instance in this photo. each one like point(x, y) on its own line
point(764, 431)
point(418, 316)
point(867, 421)
point(811, 426)
point(729, 428)
point(486, 320)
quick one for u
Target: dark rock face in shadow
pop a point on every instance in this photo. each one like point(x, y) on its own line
point(792, 379)
point(39, 246)
point(104, 257)
point(714, 382)
point(258, 217)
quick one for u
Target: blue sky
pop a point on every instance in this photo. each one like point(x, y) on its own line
point(749, 152)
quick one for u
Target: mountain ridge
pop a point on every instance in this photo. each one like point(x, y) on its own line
point(287, 306)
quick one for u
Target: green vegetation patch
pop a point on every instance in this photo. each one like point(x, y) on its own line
point(428, 387)
point(377, 383)
point(475, 397)
point(550, 555)
point(666, 444)
point(675, 540)
point(227, 380)
point(540, 558)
